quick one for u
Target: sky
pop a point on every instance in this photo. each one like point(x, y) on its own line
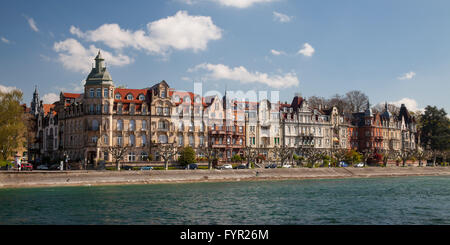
point(393, 51)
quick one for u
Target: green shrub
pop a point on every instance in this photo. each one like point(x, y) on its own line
point(187, 156)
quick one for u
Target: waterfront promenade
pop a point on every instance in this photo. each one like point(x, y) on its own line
point(10, 179)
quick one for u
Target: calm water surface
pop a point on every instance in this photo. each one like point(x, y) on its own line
point(405, 200)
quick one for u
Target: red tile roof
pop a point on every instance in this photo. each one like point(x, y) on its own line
point(71, 95)
point(47, 108)
point(134, 92)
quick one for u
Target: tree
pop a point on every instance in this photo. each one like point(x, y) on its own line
point(353, 157)
point(357, 100)
point(118, 152)
point(314, 155)
point(339, 155)
point(251, 154)
point(210, 153)
point(282, 153)
point(405, 155)
point(387, 155)
point(366, 154)
point(12, 126)
point(316, 102)
point(167, 151)
point(236, 158)
point(421, 155)
point(340, 102)
point(187, 156)
point(435, 131)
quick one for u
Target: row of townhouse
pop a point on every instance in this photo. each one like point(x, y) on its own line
point(82, 126)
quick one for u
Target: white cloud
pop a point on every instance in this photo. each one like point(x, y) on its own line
point(181, 31)
point(407, 76)
point(241, 3)
point(32, 23)
point(75, 57)
point(307, 50)
point(75, 87)
point(410, 104)
point(230, 3)
point(241, 74)
point(7, 89)
point(276, 52)
point(281, 17)
point(5, 40)
point(50, 98)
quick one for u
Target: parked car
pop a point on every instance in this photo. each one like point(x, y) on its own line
point(359, 165)
point(226, 166)
point(192, 166)
point(42, 167)
point(343, 164)
point(27, 166)
point(127, 168)
point(54, 167)
point(287, 166)
point(146, 168)
point(272, 165)
point(242, 166)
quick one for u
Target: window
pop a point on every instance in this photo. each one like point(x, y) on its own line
point(94, 125)
point(119, 124)
point(131, 157)
point(106, 156)
point(91, 92)
point(118, 97)
point(119, 140)
point(163, 94)
point(105, 139)
point(202, 140)
point(144, 156)
point(144, 139)
point(105, 93)
point(163, 139)
point(181, 126)
point(94, 139)
point(191, 140)
point(132, 140)
point(91, 108)
point(99, 92)
point(144, 124)
point(105, 108)
point(129, 97)
point(166, 111)
point(99, 109)
point(119, 108)
point(158, 111)
point(180, 140)
point(132, 125)
point(141, 97)
point(162, 125)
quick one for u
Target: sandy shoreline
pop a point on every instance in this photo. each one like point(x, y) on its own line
point(95, 178)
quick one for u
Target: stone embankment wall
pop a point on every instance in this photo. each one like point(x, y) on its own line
point(10, 179)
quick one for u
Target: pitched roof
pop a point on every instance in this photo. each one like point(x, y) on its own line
point(71, 95)
point(134, 92)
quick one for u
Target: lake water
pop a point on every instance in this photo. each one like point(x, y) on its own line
point(403, 200)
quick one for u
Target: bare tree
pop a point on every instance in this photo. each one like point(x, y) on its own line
point(405, 155)
point(209, 152)
point(421, 155)
point(251, 154)
point(282, 153)
point(339, 155)
point(340, 102)
point(357, 100)
point(167, 151)
point(118, 152)
point(366, 154)
point(314, 155)
point(316, 102)
point(387, 155)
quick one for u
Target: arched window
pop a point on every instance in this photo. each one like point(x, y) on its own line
point(129, 97)
point(118, 97)
point(119, 124)
point(91, 92)
point(141, 97)
point(187, 99)
point(99, 92)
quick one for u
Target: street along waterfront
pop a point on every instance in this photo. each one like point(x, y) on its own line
point(367, 201)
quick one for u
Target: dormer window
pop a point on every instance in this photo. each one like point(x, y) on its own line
point(163, 94)
point(141, 97)
point(197, 99)
point(187, 99)
point(118, 97)
point(129, 97)
point(177, 99)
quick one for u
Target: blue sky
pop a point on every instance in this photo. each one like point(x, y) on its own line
point(395, 51)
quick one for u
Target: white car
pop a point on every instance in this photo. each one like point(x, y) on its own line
point(359, 165)
point(42, 167)
point(287, 166)
point(227, 166)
